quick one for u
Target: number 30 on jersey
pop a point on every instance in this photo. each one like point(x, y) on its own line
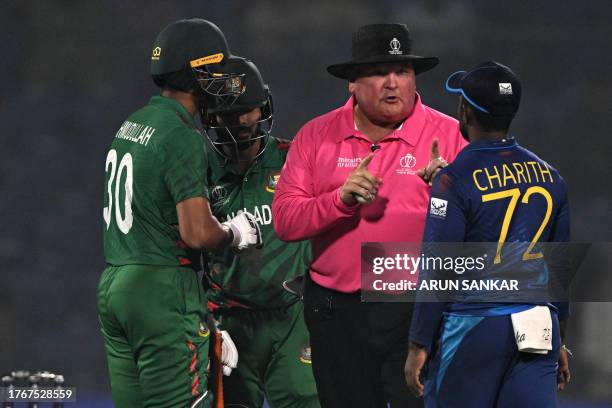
point(124, 223)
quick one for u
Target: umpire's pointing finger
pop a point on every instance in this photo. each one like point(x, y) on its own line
point(435, 151)
point(362, 170)
point(365, 162)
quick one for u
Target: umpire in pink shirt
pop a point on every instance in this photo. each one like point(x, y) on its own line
point(361, 173)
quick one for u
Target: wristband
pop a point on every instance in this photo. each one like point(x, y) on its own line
point(567, 350)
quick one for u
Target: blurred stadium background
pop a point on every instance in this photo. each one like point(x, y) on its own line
point(74, 70)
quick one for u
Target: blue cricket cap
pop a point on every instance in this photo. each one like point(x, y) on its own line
point(490, 87)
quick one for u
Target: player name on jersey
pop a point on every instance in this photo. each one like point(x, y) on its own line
point(135, 132)
point(262, 214)
point(511, 174)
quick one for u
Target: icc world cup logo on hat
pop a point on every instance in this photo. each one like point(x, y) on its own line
point(395, 47)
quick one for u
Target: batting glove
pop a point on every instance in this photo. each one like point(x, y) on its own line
point(246, 231)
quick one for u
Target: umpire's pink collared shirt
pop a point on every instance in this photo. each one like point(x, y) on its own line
point(307, 204)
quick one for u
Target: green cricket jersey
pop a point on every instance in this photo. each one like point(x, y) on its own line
point(155, 161)
point(253, 280)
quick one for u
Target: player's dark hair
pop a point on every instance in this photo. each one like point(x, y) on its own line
point(490, 122)
point(182, 80)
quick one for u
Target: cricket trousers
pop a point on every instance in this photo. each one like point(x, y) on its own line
point(274, 359)
point(358, 349)
point(477, 365)
point(155, 335)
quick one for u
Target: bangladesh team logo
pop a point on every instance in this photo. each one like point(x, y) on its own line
point(272, 182)
point(306, 355)
point(235, 85)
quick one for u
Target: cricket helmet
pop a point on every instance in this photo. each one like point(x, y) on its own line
point(188, 55)
point(226, 137)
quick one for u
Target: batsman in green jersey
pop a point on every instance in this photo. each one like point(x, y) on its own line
point(150, 302)
point(246, 293)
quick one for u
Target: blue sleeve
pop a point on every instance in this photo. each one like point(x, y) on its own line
point(426, 320)
point(446, 222)
point(561, 228)
point(446, 216)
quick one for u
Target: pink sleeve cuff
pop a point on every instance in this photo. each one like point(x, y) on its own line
point(340, 205)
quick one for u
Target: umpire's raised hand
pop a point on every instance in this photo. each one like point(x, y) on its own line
point(361, 186)
point(436, 163)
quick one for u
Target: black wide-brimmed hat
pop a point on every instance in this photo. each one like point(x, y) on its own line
point(381, 43)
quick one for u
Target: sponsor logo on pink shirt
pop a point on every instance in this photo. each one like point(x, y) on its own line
point(348, 161)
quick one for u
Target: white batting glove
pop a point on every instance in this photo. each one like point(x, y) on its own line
point(246, 231)
point(229, 352)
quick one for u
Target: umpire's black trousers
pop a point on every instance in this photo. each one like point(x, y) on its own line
point(358, 349)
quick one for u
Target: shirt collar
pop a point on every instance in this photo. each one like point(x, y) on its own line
point(409, 131)
point(174, 105)
point(493, 144)
point(271, 157)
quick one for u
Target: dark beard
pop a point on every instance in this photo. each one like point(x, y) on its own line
point(245, 144)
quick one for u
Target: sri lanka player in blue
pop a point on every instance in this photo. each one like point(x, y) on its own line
point(494, 191)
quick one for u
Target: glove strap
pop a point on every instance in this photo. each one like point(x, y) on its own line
point(234, 233)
